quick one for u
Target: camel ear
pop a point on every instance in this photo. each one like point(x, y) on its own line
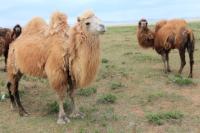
point(78, 19)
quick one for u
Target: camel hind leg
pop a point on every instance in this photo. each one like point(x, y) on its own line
point(14, 93)
point(191, 52)
point(191, 64)
point(12, 98)
point(182, 57)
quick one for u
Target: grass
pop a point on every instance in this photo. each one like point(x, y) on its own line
point(53, 107)
point(161, 95)
point(104, 60)
point(107, 98)
point(180, 80)
point(144, 58)
point(104, 117)
point(30, 78)
point(162, 117)
point(124, 64)
point(116, 85)
point(3, 96)
point(87, 91)
point(2, 84)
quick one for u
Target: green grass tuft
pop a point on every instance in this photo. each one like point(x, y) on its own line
point(155, 96)
point(180, 80)
point(104, 60)
point(87, 91)
point(116, 85)
point(144, 58)
point(3, 96)
point(54, 107)
point(162, 117)
point(107, 98)
point(2, 84)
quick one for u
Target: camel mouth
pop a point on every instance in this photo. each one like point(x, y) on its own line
point(102, 32)
point(18, 29)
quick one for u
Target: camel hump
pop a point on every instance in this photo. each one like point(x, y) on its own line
point(160, 24)
point(58, 23)
point(34, 26)
point(86, 15)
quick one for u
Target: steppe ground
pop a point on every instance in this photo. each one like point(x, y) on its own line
point(132, 75)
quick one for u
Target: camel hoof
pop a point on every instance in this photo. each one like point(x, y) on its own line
point(13, 107)
point(66, 119)
point(63, 120)
point(77, 115)
point(179, 72)
point(23, 113)
point(165, 71)
point(169, 70)
point(26, 114)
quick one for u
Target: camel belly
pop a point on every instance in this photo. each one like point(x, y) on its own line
point(30, 61)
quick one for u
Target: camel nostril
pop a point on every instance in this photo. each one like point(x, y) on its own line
point(102, 26)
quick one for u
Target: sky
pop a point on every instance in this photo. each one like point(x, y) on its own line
point(110, 11)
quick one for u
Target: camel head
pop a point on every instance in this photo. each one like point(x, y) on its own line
point(143, 24)
point(91, 24)
point(16, 31)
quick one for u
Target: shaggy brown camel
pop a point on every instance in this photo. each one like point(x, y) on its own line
point(7, 36)
point(69, 58)
point(171, 34)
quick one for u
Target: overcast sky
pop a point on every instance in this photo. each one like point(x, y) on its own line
point(21, 11)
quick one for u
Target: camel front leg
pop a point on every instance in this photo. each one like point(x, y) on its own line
point(164, 62)
point(61, 91)
point(167, 58)
point(71, 90)
point(75, 113)
point(62, 118)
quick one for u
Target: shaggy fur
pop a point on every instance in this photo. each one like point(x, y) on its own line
point(160, 24)
point(68, 58)
point(174, 22)
point(144, 35)
point(6, 37)
point(175, 35)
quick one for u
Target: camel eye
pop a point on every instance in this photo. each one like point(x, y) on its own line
point(88, 23)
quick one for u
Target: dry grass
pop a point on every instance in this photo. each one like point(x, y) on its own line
point(140, 87)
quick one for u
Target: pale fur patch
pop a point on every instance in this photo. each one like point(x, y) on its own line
point(86, 15)
point(58, 23)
